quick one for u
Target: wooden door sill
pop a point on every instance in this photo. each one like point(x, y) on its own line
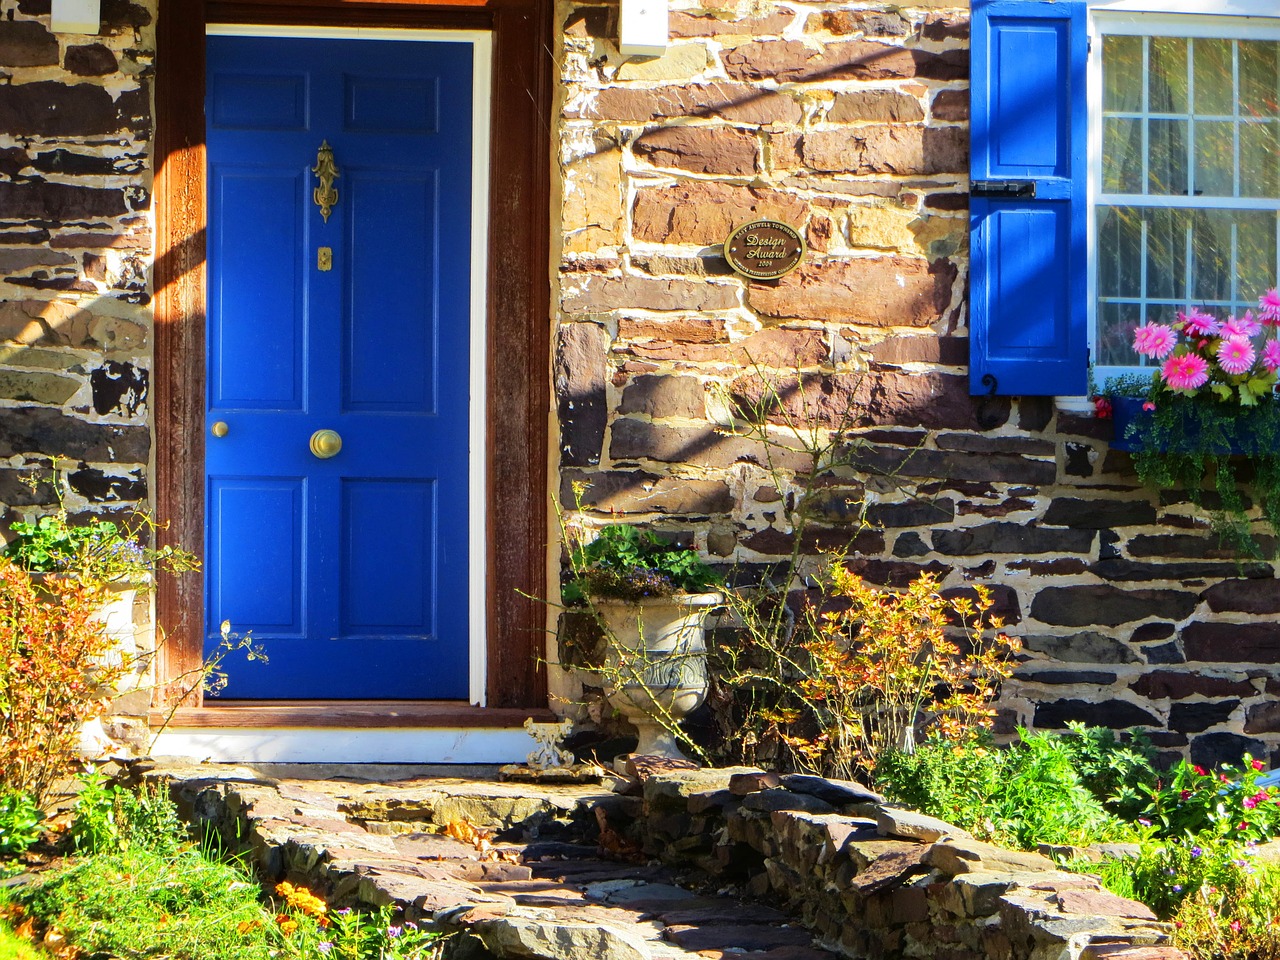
point(363, 714)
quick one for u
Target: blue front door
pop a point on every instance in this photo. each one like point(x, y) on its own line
point(349, 567)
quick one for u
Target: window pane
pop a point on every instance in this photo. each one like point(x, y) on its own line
point(1213, 76)
point(1122, 156)
point(1215, 158)
point(1259, 160)
point(1166, 254)
point(1115, 333)
point(1167, 75)
point(1255, 251)
point(1122, 73)
point(1119, 252)
point(1259, 78)
point(1211, 248)
point(1167, 163)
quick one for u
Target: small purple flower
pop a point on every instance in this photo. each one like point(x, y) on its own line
point(1144, 822)
point(1177, 888)
point(343, 912)
point(394, 932)
point(411, 925)
point(1196, 851)
point(324, 946)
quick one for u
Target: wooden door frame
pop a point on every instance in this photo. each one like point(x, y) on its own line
point(518, 325)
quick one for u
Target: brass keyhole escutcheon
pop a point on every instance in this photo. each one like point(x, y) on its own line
point(324, 259)
point(220, 429)
point(326, 443)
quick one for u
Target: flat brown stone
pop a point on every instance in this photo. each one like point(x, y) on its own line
point(720, 937)
point(1102, 903)
point(890, 870)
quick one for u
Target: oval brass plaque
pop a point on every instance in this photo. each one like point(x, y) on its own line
point(764, 249)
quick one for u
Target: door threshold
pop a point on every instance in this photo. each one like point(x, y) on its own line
point(347, 713)
point(345, 732)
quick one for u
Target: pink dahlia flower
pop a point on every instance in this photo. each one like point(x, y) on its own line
point(1269, 304)
point(1236, 354)
point(1198, 324)
point(1154, 340)
point(1271, 355)
point(1244, 326)
point(1185, 372)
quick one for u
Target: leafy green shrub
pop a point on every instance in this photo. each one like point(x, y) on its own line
point(1228, 804)
point(1028, 794)
point(19, 822)
point(107, 818)
point(1121, 775)
point(627, 563)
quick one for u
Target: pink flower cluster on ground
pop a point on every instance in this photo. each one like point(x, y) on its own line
point(1213, 350)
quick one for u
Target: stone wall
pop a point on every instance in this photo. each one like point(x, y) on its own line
point(75, 254)
point(849, 121)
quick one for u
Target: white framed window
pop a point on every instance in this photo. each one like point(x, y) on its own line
point(1184, 165)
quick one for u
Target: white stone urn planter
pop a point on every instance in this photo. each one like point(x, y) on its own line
point(656, 663)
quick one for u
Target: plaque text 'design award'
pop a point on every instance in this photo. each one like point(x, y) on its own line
point(764, 250)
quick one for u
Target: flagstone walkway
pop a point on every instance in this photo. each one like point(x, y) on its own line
point(516, 878)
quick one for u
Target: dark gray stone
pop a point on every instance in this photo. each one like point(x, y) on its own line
point(1086, 647)
point(69, 162)
point(26, 43)
point(1263, 718)
point(771, 801)
point(1165, 654)
point(1034, 413)
point(1150, 632)
point(836, 792)
point(975, 443)
point(580, 389)
point(1078, 463)
point(119, 388)
point(1213, 749)
point(91, 60)
point(39, 430)
point(839, 505)
point(1117, 714)
point(58, 202)
point(1099, 514)
point(913, 513)
point(1200, 716)
point(910, 545)
point(1068, 676)
point(48, 108)
point(1012, 538)
point(953, 465)
point(1104, 604)
point(1180, 545)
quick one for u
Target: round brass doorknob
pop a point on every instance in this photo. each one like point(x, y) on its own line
point(219, 429)
point(326, 443)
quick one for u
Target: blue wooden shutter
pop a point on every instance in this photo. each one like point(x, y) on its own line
point(1028, 308)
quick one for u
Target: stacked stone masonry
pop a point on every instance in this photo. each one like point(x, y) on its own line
point(76, 251)
point(751, 855)
point(849, 121)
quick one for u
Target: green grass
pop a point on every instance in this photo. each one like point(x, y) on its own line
point(12, 947)
point(137, 903)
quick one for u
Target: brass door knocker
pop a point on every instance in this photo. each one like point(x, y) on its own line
point(326, 172)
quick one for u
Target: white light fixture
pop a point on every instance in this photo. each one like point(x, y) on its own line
point(76, 16)
point(643, 28)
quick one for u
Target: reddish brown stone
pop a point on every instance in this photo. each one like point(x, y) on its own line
point(1257, 597)
point(602, 294)
point(942, 26)
point(870, 23)
point(737, 102)
point(777, 543)
point(26, 43)
point(706, 213)
point(896, 149)
point(951, 105)
point(665, 396)
point(1001, 509)
point(92, 60)
point(775, 349)
point(101, 241)
point(632, 439)
point(948, 351)
point(741, 784)
point(1178, 684)
point(875, 291)
point(723, 150)
point(49, 108)
point(1103, 904)
point(1263, 718)
point(790, 61)
point(1232, 642)
point(689, 25)
point(875, 106)
point(1067, 566)
point(683, 330)
point(893, 573)
point(635, 492)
